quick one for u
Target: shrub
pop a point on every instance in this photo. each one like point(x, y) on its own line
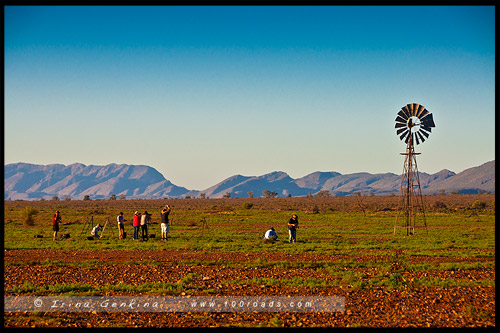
point(247, 205)
point(323, 193)
point(269, 194)
point(439, 204)
point(28, 214)
point(478, 204)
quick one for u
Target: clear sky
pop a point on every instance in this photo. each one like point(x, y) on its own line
point(205, 93)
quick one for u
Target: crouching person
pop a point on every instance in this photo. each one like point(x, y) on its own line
point(270, 235)
point(95, 231)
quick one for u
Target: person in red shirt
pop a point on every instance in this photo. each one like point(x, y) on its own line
point(56, 219)
point(136, 222)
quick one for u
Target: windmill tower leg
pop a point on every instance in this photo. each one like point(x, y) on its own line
point(405, 190)
point(419, 202)
point(411, 202)
point(89, 222)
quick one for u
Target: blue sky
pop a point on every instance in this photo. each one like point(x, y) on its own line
point(204, 93)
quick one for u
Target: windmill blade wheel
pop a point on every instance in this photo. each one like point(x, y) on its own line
point(414, 123)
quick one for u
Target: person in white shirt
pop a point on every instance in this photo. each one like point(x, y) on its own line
point(95, 231)
point(145, 219)
point(271, 234)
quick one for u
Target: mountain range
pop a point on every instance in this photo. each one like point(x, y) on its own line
point(24, 181)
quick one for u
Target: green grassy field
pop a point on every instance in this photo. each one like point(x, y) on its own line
point(239, 230)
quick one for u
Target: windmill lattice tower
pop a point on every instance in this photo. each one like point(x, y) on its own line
point(413, 125)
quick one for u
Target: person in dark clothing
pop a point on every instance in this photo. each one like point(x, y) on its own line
point(293, 224)
point(56, 219)
point(164, 222)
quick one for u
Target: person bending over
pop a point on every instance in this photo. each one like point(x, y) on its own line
point(271, 235)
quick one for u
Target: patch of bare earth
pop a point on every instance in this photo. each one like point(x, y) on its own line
point(377, 306)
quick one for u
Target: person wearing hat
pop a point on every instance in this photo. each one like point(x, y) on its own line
point(164, 222)
point(95, 230)
point(56, 219)
point(293, 224)
point(145, 219)
point(136, 222)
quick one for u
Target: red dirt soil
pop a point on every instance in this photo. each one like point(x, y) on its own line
point(470, 306)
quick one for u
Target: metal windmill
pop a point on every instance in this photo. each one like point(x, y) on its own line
point(413, 125)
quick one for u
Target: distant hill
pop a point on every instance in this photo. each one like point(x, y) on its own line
point(25, 181)
point(29, 181)
point(468, 181)
point(333, 182)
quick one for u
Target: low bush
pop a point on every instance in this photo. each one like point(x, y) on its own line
point(478, 204)
point(247, 205)
point(28, 214)
point(439, 205)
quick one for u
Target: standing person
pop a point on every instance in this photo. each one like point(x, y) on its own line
point(56, 219)
point(164, 222)
point(145, 219)
point(293, 224)
point(121, 227)
point(136, 222)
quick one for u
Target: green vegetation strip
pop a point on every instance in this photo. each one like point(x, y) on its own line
point(328, 232)
point(261, 263)
point(186, 285)
point(74, 289)
point(393, 281)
